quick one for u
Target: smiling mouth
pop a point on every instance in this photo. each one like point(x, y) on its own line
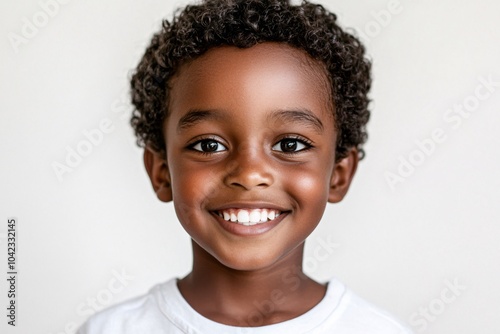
point(248, 216)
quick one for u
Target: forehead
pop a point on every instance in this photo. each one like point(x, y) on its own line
point(263, 77)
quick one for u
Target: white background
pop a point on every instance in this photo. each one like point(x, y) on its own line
point(399, 247)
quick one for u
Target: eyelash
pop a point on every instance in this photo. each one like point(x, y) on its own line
point(306, 142)
point(205, 139)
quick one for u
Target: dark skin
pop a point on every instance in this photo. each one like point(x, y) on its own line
point(250, 128)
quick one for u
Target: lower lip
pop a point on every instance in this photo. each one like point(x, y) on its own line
point(249, 230)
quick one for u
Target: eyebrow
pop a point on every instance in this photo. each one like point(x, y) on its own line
point(304, 116)
point(197, 115)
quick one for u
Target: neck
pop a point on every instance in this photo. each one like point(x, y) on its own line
point(250, 298)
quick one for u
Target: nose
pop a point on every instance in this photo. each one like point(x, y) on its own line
point(248, 169)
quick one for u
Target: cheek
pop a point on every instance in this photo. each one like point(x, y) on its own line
point(191, 186)
point(191, 182)
point(310, 188)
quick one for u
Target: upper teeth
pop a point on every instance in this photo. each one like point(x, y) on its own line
point(248, 216)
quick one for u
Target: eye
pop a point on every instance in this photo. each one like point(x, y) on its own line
point(208, 146)
point(291, 145)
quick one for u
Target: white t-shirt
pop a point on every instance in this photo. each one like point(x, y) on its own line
point(164, 310)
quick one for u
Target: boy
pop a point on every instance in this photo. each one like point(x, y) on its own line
point(252, 114)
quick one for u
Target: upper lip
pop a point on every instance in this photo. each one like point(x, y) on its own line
point(250, 205)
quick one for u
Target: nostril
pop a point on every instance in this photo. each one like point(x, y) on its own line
point(249, 180)
point(248, 173)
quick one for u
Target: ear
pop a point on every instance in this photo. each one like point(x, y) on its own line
point(157, 168)
point(342, 175)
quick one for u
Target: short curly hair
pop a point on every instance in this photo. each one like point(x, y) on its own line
point(245, 23)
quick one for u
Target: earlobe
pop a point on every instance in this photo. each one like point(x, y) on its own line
point(157, 168)
point(342, 175)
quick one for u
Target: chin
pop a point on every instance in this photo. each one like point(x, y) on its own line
point(248, 262)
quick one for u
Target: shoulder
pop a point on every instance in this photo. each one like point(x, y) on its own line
point(132, 316)
point(361, 316)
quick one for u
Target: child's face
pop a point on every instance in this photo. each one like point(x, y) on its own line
point(251, 129)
